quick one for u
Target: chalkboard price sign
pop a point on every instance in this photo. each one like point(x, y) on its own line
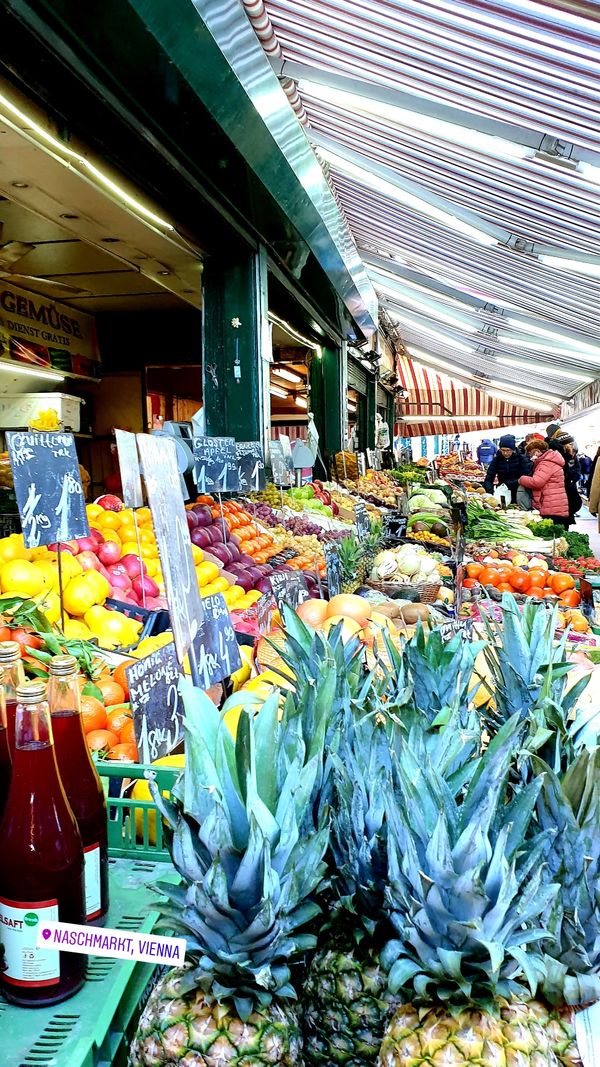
point(163, 485)
point(464, 627)
point(281, 474)
point(48, 487)
point(286, 448)
point(362, 520)
point(289, 587)
point(264, 613)
point(216, 465)
point(251, 466)
point(394, 526)
point(334, 568)
point(156, 704)
point(217, 650)
point(129, 468)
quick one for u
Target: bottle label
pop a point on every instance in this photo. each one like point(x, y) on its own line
point(93, 900)
point(21, 962)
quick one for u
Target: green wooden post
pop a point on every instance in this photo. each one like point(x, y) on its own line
point(231, 346)
point(328, 400)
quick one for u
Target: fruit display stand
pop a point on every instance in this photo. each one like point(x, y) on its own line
point(94, 1028)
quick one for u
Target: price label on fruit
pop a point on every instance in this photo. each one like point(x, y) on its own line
point(362, 520)
point(48, 487)
point(129, 469)
point(216, 465)
point(163, 486)
point(587, 1033)
point(334, 568)
point(155, 702)
point(289, 587)
point(217, 650)
point(251, 466)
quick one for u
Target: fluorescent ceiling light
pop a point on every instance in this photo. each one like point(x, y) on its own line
point(589, 172)
point(521, 401)
point(274, 391)
point(401, 196)
point(414, 120)
point(75, 159)
point(539, 346)
point(460, 346)
point(301, 402)
point(576, 266)
point(525, 389)
point(352, 407)
point(545, 368)
point(567, 342)
point(287, 374)
point(33, 371)
point(294, 333)
point(428, 309)
point(452, 368)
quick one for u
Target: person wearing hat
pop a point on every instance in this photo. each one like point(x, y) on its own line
point(553, 428)
point(547, 483)
point(562, 442)
point(507, 467)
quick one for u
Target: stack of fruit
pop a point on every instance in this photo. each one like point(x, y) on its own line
point(449, 851)
point(534, 581)
point(374, 487)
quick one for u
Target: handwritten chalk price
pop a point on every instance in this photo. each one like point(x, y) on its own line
point(48, 487)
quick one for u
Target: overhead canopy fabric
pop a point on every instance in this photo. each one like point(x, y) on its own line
point(436, 404)
point(463, 143)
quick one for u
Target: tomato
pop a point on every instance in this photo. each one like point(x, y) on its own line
point(570, 598)
point(26, 638)
point(562, 582)
point(505, 587)
point(489, 576)
point(536, 591)
point(474, 570)
point(471, 583)
point(520, 580)
point(537, 576)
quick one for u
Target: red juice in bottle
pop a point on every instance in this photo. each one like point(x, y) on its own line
point(43, 881)
point(80, 781)
point(5, 760)
point(14, 675)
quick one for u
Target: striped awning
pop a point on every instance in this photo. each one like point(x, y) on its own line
point(436, 404)
point(462, 141)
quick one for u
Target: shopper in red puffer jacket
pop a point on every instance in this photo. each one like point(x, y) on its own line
point(547, 483)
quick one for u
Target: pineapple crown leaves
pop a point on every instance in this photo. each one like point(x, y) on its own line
point(249, 871)
point(307, 653)
point(440, 670)
point(466, 888)
point(569, 805)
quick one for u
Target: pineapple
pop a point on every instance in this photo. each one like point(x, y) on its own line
point(352, 563)
point(466, 894)
point(372, 543)
point(250, 857)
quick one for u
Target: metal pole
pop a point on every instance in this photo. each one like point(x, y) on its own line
point(60, 588)
point(139, 548)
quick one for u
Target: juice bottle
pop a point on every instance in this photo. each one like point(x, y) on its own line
point(5, 760)
point(41, 876)
point(80, 781)
point(14, 675)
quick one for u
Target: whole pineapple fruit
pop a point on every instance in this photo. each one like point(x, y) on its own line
point(250, 856)
point(466, 893)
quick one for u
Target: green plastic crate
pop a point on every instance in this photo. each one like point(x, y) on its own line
point(134, 830)
point(95, 1027)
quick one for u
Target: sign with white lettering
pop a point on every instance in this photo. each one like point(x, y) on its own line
point(289, 587)
point(362, 520)
point(163, 486)
point(216, 465)
point(48, 487)
point(217, 650)
point(587, 1033)
point(251, 466)
point(129, 468)
point(281, 474)
point(334, 568)
point(36, 329)
point(155, 702)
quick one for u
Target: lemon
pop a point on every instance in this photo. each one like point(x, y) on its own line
point(206, 573)
point(12, 547)
point(93, 511)
point(48, 571)
point(39, 553)
point(22, 576)
point(141, 791)
point(76, 630)
point(49, 602)
point(197, 555)
point(151, 644)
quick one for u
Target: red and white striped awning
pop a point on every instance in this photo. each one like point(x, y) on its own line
point(436, 404)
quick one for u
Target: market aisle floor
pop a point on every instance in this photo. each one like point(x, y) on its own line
point(587, 524)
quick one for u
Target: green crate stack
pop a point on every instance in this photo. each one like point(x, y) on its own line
point(94, 1028)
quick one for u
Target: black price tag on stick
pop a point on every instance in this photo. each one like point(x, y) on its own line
point(264, 613)
point(289, 587)
point(362, 520)
point(251, 466)
point(216, 465)
point(334, 568)
point(48, 487)
point(281, 474)
point(394, 526)
point(129, 468)
point(155, 702)
point(163, 486)
point(216, 646)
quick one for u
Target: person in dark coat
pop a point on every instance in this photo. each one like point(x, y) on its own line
point(562, 442)
point(507, 466)
point(486, 452)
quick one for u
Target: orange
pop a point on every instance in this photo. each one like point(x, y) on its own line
point(570, 598)
point(110, 535)
point(120, 677)
point(562, 582)
point(126, 753)
point(127, 533)
point(144, 516)
point(117, 718)
point(130, 547)
point(93, 714)
point(489, 576)
point(536, 591)
point(108, 520)
point(127, 732)
point(112, 692)
point(101, 740)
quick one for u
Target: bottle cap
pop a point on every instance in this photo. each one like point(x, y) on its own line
point(61, 666)
point(10, 651)
point(31, 692)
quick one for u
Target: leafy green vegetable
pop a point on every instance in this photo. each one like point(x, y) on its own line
point(579, 544)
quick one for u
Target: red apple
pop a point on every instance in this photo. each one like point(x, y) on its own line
point(109, 552)
point(118, 577)
point(134, 565)
point(97, 536)
point(65, 546)
point(89, 560)
point(110, 502)
point(87, 544)
point(147, 585)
